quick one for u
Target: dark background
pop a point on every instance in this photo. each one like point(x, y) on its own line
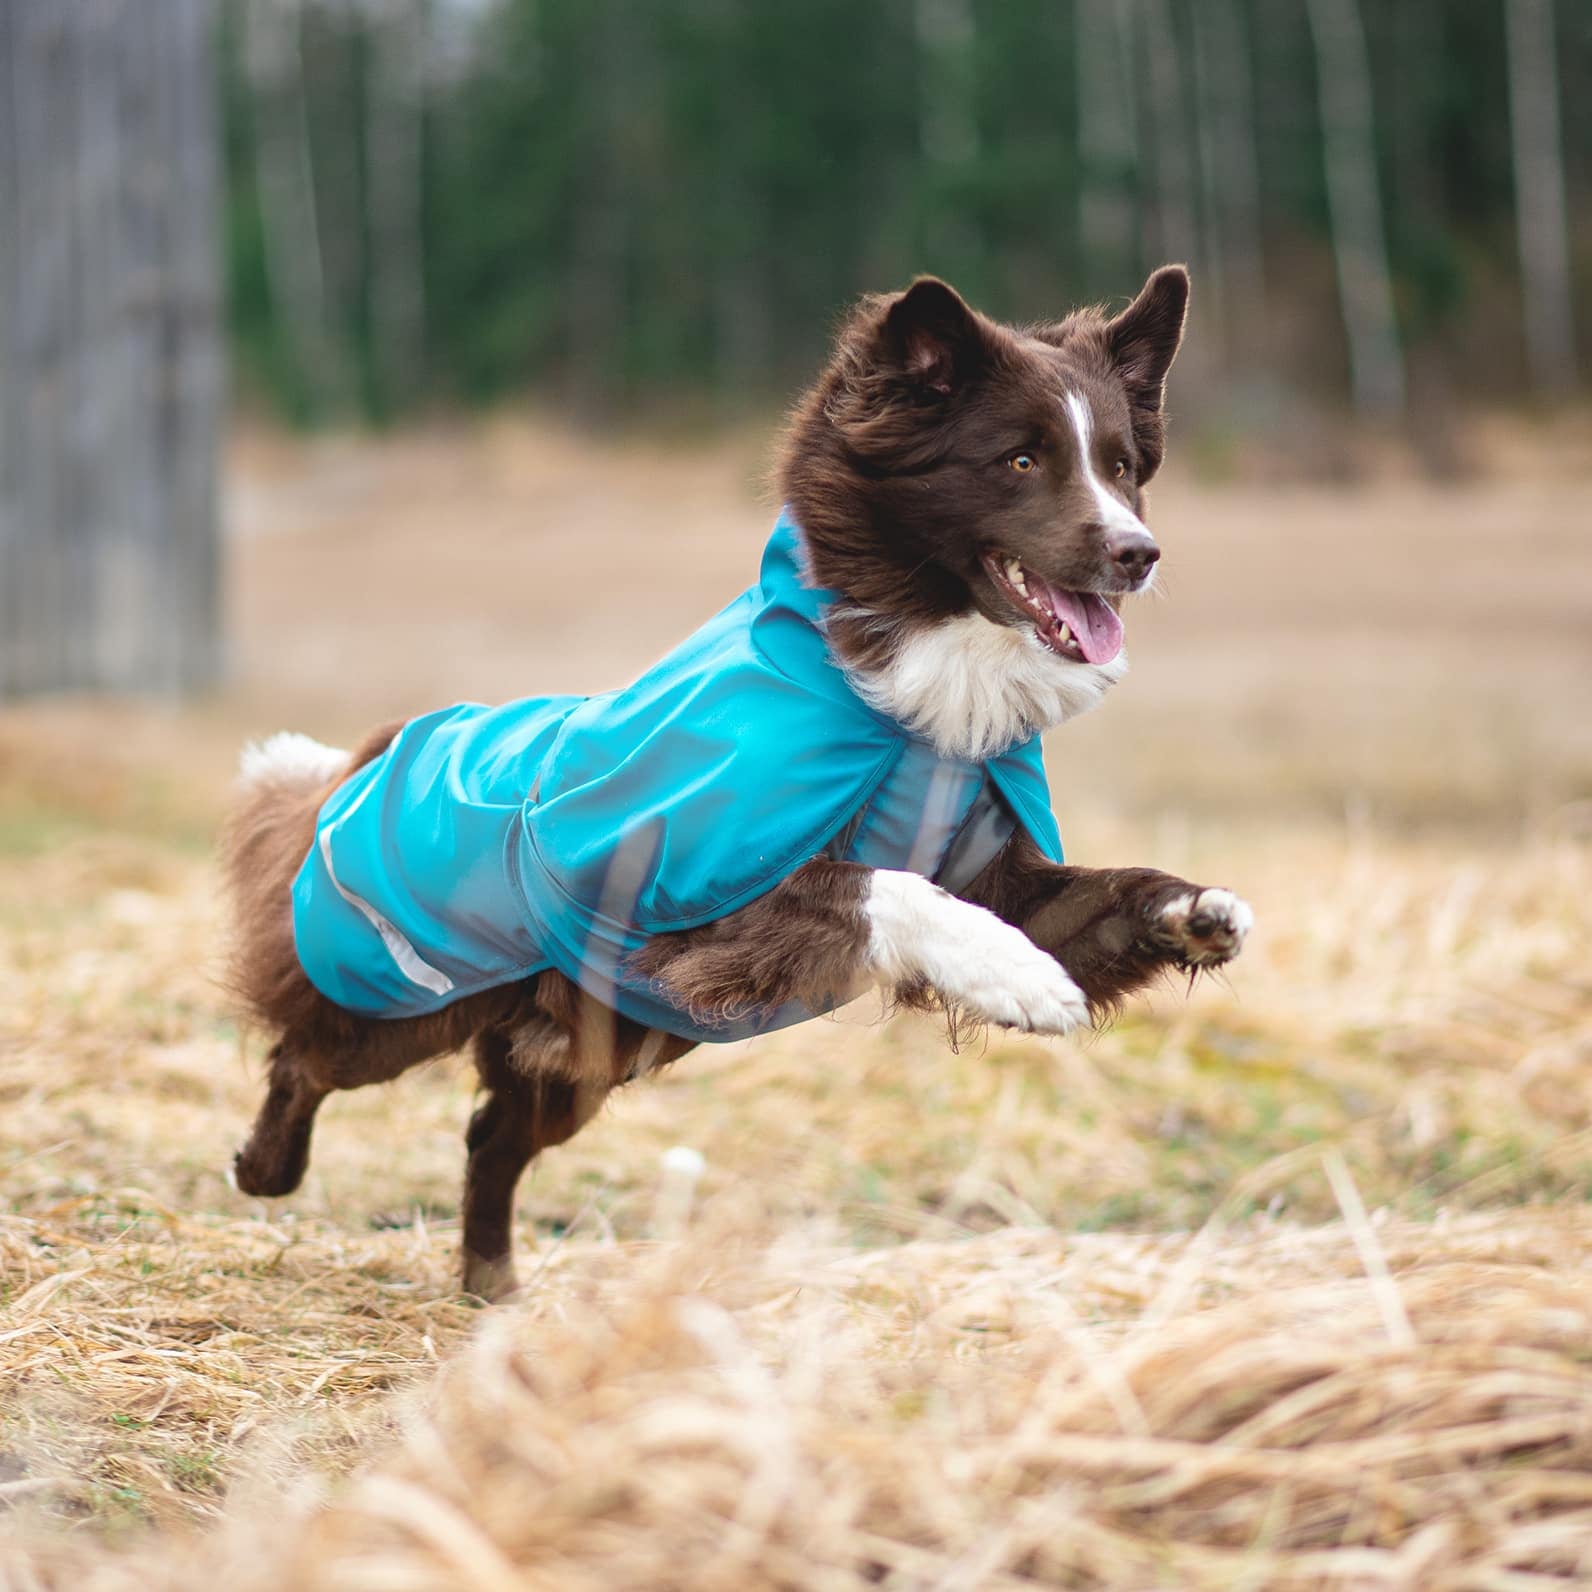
point(634, 206)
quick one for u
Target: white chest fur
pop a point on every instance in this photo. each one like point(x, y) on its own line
point(973, 687)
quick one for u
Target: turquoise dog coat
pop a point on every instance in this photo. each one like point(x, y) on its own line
point(487, 844)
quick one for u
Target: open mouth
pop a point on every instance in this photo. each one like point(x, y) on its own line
point(1074, 624)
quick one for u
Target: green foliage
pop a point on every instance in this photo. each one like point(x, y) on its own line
point(624, 203)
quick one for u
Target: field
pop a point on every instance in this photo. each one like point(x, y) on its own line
point(1285, 1281)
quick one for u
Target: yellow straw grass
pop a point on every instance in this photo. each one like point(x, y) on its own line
point(1283, 1284)
point(871, 1347)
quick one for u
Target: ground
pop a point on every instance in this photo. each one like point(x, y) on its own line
point(1285, 1281)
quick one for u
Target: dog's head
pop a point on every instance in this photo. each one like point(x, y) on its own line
point(946, 465)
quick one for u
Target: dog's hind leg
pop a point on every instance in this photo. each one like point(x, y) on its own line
point(273, 1160)
point(545, 1075)
point(307, 1064)
point(525, 1111)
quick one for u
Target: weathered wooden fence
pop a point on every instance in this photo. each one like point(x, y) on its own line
point(111, 375)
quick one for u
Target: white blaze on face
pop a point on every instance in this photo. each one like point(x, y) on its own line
point(1115, 515)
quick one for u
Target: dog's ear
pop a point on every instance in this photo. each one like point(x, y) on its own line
point(1142, 342)
point(931, 338)
point(1145, 337)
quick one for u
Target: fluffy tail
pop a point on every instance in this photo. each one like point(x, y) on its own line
point(289, 759)
point(282, 783)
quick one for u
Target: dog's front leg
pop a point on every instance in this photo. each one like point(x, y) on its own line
point(918, 935)
point(832, 928)
point(1113, 929)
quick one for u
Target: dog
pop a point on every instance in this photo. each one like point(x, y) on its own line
point(834, 784)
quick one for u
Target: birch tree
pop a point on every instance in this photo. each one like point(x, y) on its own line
point(1536, 145)
point(1176, 224)
point(285, 178)
point(948, 138)
point(600, 225)
point(1229, 171)
point(394, 119)
point(1108, 141)
point(1365, 283)
point(742, 319)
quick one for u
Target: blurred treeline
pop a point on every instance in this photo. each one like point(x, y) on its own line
point(622, 203)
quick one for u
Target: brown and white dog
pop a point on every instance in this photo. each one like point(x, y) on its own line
point(975, 494)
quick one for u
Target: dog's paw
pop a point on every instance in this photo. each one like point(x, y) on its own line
point(490, 1280)
point(245, 1175)
point(1012, 982)
point(265, 1175)
point(1204, 928)
point(1037, 1000)
point(921, 936)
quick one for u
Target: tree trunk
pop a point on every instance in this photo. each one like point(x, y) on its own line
point(394, 110)
point(1176, 229)
point(1229, 170)
point(597, 321)
point(111, 373)
point(741, 325)
point(948, 140)
point(1539, 194)
point(1354, 203)
point(1108, 144)
point(285, 178)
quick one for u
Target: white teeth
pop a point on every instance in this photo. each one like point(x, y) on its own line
point(1014, 573)
point(1065, 634)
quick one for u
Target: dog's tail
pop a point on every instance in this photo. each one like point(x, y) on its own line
point(282, 782)
point(289, 760)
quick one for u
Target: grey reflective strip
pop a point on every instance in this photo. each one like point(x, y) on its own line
point(935, 834)
point(410, 963)
point(983, 835)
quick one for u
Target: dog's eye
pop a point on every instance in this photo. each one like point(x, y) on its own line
point(1121, 469)
point(1022, 463)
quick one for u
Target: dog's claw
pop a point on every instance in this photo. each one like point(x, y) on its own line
point(1206, 928)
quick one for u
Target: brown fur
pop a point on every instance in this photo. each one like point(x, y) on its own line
point(1104, 925)
point(890, 467)
point(893, 461)
point(547, 1054)
point(805, 940)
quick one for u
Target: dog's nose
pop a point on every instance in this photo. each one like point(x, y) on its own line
point(1134, 555)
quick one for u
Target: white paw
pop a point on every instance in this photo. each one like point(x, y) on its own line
point(1033, 992)
point(1208, 927)
point(919, 933)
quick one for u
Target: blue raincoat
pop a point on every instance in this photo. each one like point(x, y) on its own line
point(487, 844)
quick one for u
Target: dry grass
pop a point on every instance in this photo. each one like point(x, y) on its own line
point(1282, 1284)
point(1023, 1409)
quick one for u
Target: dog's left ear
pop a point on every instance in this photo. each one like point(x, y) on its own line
point(933, 338)
point(1142, 342)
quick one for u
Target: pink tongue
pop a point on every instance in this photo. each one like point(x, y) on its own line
point(1093, 620)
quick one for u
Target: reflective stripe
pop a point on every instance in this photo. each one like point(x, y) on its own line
point(989, 825)
point(410, 963)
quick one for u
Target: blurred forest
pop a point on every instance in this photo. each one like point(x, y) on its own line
point(446, 200)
